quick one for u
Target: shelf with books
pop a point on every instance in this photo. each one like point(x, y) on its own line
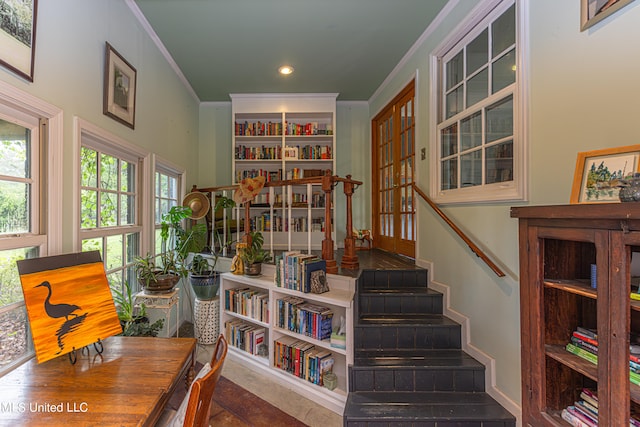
point(284, 137)
point(338, 300)
point(580, 329)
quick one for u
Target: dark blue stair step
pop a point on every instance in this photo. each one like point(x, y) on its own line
point(393, 301)
point(410, 319)
point(423, 408)
point(388, 279)
point(431, 359)
point(436, 332)
point(416, 370)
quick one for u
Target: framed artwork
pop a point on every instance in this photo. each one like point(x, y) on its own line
point(594, 11)
point(598, 173)
point(69, 302)
point(119, 88)
point(18, 36)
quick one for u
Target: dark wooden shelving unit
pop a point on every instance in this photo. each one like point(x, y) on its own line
point(558, 245)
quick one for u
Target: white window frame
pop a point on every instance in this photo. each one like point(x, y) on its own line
point(517, 189)
point(46, 213)
point(91, 136)
point(165, 167)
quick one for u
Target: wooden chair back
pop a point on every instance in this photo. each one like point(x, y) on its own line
point(199, 405)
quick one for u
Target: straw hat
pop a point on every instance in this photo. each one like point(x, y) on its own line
point(199, 204)
point(248, 189)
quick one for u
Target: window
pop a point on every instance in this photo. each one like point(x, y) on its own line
point(110, 200)
point(167, 190)
point(29, 130)
point(479, 141)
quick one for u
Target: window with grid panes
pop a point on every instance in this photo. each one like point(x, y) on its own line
point(109, 199)
point(21, 234)
point(478, 142)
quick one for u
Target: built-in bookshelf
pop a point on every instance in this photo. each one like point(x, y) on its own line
point(295, 327)
point(281, 137)
point(580, 322)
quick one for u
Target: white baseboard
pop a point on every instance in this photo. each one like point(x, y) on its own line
point(489, 362)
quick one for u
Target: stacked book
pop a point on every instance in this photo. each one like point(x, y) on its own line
point(296, 315)
point(584, 343)
point(244, 336)
point(293, 270)
point(248, 302)
point(584, 412)
point(302, 359)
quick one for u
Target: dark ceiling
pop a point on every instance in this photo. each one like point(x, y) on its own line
point(336, 46)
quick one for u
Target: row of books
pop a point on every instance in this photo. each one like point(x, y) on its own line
point(264, 223)
point(297, 315)
point(293, 270)
point(584, 411)
point(302, 359)
point(310, 128)
point(245, 152)
point(298, 200)
point(270, 175)
point(584, 343)
point(248, 302)
point(308, 152)
point(258, 128)
point(245, 336)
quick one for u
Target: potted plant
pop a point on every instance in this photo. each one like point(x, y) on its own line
point(176, 244)
point(254, 255)
point(203, 278)
point(134, 318)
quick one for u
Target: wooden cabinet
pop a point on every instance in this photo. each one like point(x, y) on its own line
point(248, 316)
point(560, 246)
point(282, 137)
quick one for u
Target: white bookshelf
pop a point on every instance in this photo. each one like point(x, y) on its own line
point(339, 299)
point(258, 151)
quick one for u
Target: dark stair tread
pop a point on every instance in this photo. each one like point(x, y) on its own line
point(460, 406)
point(427, 358)
point(386, 319)
point(400, 291)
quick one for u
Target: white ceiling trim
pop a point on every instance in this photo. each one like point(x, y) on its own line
point(152, 34)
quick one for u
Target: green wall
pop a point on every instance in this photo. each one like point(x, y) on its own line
point(69, 64)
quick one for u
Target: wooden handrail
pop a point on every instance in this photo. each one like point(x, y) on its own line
point(474, 248)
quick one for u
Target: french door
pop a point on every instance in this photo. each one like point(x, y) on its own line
point(393, 162)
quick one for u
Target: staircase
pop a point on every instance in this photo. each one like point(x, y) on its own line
point(409, 369)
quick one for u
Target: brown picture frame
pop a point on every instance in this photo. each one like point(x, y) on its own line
point(598, 172)
point(18, 39)
point(120, 76)
point(594, 11)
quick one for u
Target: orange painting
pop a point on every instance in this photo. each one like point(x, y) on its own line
point(68, 301)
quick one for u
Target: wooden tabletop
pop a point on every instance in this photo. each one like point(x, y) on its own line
point(127, 385)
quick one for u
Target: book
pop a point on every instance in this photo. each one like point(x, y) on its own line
point(579, 415)
point(572, 419)
point(582, 353)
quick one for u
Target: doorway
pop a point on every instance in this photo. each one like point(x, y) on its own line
point(393, 159)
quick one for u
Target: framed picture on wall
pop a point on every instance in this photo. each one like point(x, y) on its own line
point(598, 173)
point(594, 11)
point(119, 88)
point(18, 36)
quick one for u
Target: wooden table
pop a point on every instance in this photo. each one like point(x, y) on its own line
point(128, 385)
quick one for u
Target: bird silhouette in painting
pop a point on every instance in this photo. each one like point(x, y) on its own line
point(56, 311)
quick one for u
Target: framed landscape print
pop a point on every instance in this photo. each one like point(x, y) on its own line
point(598, 173)
point(594, 11)
point(119, 88)
point(69, 302)
point(18, 36)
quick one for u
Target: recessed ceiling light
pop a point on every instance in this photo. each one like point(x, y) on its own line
point(285, 70)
